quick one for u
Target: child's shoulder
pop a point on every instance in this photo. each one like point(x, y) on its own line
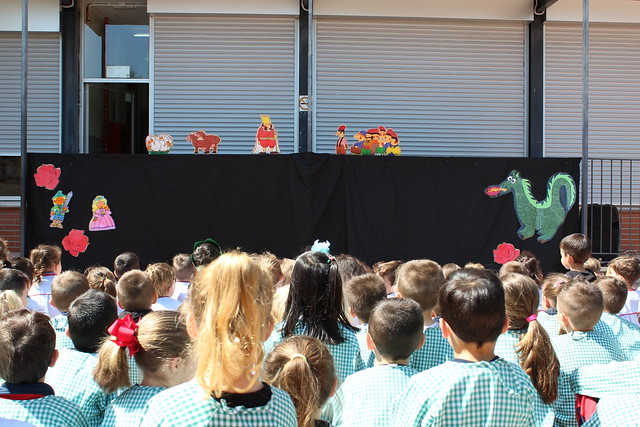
point(381, 374)
point(605, 379)
point(465, 372)
point(47, 410)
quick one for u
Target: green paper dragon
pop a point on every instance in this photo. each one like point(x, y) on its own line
point(542, 217)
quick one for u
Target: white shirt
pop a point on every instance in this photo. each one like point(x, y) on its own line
point(166, 303)
point(631, 307)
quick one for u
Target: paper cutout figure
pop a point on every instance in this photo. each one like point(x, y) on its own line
point(266, 137)
point(159, 144)
point(75, 242)
point(60, 208)
point(341, 144)
point(542, 217)
point(380, 139)
point(47, 176)
point(101, 219)
point(505, 252)
point(356, 148)
point(201, 141)
point(392, 145)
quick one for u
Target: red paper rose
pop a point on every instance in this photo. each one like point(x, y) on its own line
point(505, 252)
point(47, 176)
point(75, 242)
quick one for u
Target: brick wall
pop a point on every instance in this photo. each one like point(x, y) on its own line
point(10, 228)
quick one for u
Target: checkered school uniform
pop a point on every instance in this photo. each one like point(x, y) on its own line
point(47, 411)
point(368, 356)
point(40, 292)
point(550, 323)
point(189, 405)
point(367, 398)
point(615, 411)
point(346, 355)
point(128, 408)
point(460, 393)
point(60, 324)
point(574, 350)
point(72, 378)
point(625, 333)
point(435, 351)
point(602, 380)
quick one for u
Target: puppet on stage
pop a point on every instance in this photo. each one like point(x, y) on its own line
point(341, 144)
point(392, 146)
point(101, 219)
point(60, 208)
point(266, 137)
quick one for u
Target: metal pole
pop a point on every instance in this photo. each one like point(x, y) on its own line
point(23, 127)
point(585, 113)
point(311, 104)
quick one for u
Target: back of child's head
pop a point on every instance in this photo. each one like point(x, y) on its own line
point(472, 304)
point(551, 287)
point(627, 267)
point(9, 301)
point(66, 287)
point(474, 266)
point(614, 293)
point(13, 280)
point(4, 251)
point(395, 326)
point(135, 291)
point(205, 252)
point(28, 342)
point(230, 301)
point(101, 279)
point(183, 267)
point(158, 338)
point(512, 267)
point(124, 262)
point(351, 266)
point(162, 277)
point(594, 265)
point(270, 264)
point(315, 298)
point(449, 268)
point(286, 266)
point(45, 258)
point(387, 270)
point(578, 246)
point(420, 280)
point(581, 302)
point(303, 367)
point(536, 354)
point(532, 266)
point(90, 315)
point(363, 293)
point(25, 265)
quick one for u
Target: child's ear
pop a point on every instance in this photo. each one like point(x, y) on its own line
point(421, 342)
point(54, 358)
point(335, 386)
point(174, 365)
point(155, 298)
point(351, 313)
point(445, 328)
point(66, 332)
point(192, 326)
point(505, 328)
point(370, 344)
point(564, 321)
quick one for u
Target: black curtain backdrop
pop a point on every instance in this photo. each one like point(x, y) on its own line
point(375, 208)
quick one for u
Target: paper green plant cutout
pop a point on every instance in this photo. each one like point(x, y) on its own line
point(542, 217)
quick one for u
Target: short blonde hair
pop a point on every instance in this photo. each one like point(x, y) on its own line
point(582, 302)
point(163, 277)
point(135, 291)
point(420, 280)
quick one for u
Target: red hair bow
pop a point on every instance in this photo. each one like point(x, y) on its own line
point(123, 331)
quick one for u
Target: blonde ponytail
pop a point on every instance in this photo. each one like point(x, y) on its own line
point(112, 371)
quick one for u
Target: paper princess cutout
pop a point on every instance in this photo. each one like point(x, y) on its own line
point(60, 208)
point(392, 145)
point(101, 219)
point(266, 137)
point(159, 144)
point(201, 141)
point(341, 144)
point(505, 252)
point(47, 176)
point(75, 242)
point(542, 217)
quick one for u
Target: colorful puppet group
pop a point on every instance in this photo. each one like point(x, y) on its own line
point(374, 142)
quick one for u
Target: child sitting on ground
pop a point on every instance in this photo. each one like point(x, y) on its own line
point(26, 266)
point(65, 288)
point(27, 350)
point(90, 315)
point(387, 270)
point(16, 281)
point(47, 264)
point(580, 306)
point(162, 349)
point(367, 398)
point(363, 293)
point(101, 279)
point(477, 387)
point(229, 313)
point(125, 262)
point(548, 317)
point(303, 367)
point(626, 334)
point(136, 294)
point(627, 269)
point(421, 280)
point(185, 270)
point(163, 279)
point(575, 250)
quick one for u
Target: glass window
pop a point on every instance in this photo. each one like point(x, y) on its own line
point(9, 176)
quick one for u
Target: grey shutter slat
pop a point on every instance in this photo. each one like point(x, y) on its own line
point(614, 90)
point(446, 88)
point(219, 73)
point(43, 125)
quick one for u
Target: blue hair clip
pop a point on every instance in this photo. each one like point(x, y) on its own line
point(319, 246)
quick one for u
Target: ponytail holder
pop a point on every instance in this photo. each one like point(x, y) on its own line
point(123, 332)
point(532, 318)
point(558, 283)
point(298, 356)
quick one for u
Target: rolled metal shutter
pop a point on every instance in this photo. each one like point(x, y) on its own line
point(43, 123)
point(614, 90)
point(220, 73)
point(447, 88)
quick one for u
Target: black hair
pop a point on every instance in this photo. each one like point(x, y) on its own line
point(395, 326)
point(124, 262)
point(472, 303)
point(90, 315)
point(25, 265)
point(13, 280)
point(315, 298)
point(205, 254)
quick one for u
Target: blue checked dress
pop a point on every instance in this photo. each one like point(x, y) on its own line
point(368, 356)
point(435, 351)
point(47, 411)
point(60, 324)
point(625, 333)
point(550, 323)
point(129, 407)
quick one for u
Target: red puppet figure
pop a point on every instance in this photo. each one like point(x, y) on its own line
point(266, 137)
point(341, 144)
